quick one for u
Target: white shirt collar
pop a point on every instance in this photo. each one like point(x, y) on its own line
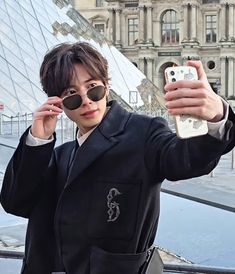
point(82, 139)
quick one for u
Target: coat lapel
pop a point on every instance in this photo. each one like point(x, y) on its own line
point(103, 138)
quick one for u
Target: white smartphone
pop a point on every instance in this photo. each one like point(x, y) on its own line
point(186, 126)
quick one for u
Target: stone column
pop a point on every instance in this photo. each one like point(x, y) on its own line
point(223, 75)
point(111, 27)
point(150, 68)
point(231, 21)
point(222, 22)
point(141, 24)
point(118, 27)
point(150, 24)
point(186, 25)
point(230, 76)
point(141, 64)
point(193, 20)
point(157, 33)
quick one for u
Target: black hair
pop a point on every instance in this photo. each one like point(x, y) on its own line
point(57, 69)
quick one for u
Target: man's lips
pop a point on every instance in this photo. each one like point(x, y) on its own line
point(89, 113)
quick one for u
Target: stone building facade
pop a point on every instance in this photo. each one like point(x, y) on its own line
point(155, 34)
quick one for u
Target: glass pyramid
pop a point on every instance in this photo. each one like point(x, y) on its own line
point(28, 29)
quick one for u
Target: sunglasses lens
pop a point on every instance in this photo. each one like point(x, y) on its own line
point(72, 102)
point(96, 93)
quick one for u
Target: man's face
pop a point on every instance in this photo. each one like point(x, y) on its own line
point(90, 113)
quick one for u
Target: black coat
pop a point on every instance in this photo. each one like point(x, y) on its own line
point(100, 217)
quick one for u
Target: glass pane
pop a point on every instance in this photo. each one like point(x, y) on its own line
point(51, 39)
point(7, 30)
point(39, 95)
point(35, 32)
point(50, 10)
point(16, 15)
point(214, 37)
point(26, 99)
point(39, 47)
point(2, 5)
point(26, 7)
point(41, 17)
point(11, 102)
point(4, 17)
point(20, 29)
point(6, 83)
point(12, 6)
point(19, 78)
point(1, 52)
point(26, 46)
point(8, 44)
point(30, 19)
point(33, 74)
point(14, 60)
point(25, 36)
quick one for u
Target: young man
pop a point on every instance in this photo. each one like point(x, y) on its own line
point(93, 203)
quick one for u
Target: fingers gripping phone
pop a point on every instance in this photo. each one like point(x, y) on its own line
point(186, 126)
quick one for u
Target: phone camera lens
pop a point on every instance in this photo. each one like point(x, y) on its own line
point(173, 79)
point(172, 72)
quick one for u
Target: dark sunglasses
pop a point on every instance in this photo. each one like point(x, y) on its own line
point(74, 101)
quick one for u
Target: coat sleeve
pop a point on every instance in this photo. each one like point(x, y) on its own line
point(169, 157)
point(24, 179)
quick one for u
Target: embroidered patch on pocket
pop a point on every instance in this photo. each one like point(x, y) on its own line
point(113, 210)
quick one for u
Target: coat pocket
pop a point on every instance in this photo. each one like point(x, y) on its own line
point(114, 209)
point(103, 262)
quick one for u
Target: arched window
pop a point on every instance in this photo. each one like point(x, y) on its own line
point(170, 27)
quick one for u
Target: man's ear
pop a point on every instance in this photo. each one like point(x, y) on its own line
point(107, 93)
point(107, 89)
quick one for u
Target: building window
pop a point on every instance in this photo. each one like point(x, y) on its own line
point(131, 5)
point(99, 3)
point(132, 31)
point(133, 98)
point(99, 28)
point(211, 28)
point(210, 1)
point(170, 27)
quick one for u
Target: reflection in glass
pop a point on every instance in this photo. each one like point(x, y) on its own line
point(6, 31)
point(13, 59)
point(40, 25)
point(11, 102)
point(5, 80)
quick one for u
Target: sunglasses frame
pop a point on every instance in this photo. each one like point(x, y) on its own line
point(71, 105)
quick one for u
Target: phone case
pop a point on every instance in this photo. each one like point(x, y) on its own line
point(186, 126)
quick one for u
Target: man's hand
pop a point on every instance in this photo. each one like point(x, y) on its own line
point(195, 97)
point(45, 118)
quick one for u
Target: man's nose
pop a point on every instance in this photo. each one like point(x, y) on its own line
point(85, 99)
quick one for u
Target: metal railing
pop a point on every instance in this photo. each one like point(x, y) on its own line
point(193, 268)
point(168, 267)
point(66, 129)
point(16, 125)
